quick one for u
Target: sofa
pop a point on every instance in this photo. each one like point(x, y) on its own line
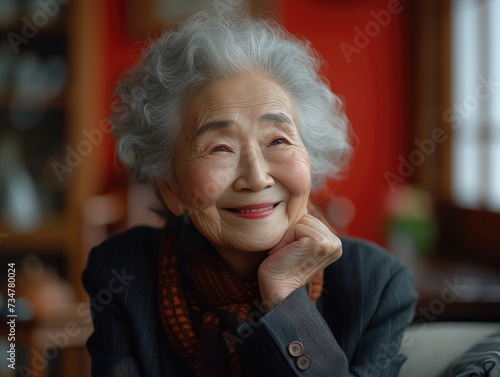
point(431, 348)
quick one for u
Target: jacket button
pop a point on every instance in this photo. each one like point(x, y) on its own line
point(303, 362)
point(295, 348)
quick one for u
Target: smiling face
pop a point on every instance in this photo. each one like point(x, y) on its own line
point(241, 170)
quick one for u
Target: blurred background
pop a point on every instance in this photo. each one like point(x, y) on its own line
point(420, 81)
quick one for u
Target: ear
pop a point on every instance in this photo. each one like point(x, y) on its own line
point(171, 194)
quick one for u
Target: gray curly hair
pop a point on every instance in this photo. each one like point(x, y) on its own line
point(148, 116)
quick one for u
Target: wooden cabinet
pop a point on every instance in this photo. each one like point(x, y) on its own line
point(51, 103)
point(35, 70)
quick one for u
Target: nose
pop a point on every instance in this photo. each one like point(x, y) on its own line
point(253, 172)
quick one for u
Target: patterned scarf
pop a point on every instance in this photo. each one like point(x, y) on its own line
point(202, 303)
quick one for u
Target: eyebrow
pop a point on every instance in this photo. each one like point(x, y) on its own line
point(215, 125)
point(276, 118)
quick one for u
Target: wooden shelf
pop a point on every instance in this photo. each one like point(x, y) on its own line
point(60, 102)
point(76, 36)
point(50, 237)
point(56, 27)
point(455, 289)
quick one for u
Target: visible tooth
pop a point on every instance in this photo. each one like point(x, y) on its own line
point(253, 210)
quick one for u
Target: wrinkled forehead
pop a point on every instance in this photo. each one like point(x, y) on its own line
point(250, 95)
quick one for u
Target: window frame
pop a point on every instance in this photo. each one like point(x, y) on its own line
point(469, 234)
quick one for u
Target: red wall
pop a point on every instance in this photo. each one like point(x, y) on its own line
point(373, 87)
point(120, 51)
point(372, 84)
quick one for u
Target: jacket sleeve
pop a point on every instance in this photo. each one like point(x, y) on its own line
point(316, 352)
point(109, 346)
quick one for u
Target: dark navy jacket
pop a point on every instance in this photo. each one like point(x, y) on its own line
point(355, 329)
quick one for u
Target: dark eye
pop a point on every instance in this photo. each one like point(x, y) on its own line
point(220, 148)
point(278, 141)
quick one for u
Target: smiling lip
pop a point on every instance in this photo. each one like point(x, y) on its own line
point(254, 211)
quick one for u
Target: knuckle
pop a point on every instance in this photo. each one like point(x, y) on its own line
point(333, 249)
point(324, 244)
point(330, 244)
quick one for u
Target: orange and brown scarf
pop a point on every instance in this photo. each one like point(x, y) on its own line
point(202, 303)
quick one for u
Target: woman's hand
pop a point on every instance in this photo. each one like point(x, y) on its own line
point(305, 249)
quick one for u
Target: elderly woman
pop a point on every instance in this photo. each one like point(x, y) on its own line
point(232, 124)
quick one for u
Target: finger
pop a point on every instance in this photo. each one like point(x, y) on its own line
point(302, 240)
point(318, 243)
point(294, 233)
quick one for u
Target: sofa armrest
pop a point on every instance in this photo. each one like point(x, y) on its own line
point(431, 348)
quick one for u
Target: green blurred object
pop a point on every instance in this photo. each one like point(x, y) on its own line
point(421, 232)
point(410, 227)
